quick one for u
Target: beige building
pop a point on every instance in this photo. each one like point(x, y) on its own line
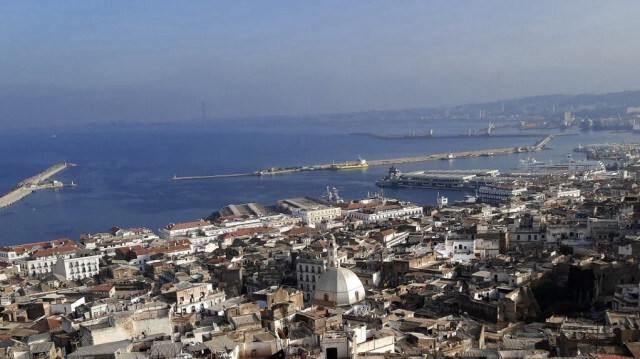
point(196, 297)
point(309, 210)
point(151, 320)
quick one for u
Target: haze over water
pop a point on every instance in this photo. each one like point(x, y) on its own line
point(85, 63)
point(124, 174)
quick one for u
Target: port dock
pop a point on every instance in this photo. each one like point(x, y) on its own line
point(387, 162)
point(35, 183)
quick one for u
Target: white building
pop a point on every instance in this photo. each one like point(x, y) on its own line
point(384, 212)
point(42, 261)
point(196, 297)
point(309, 210)
point(499, 193)
point(185, 229)
point(80, 267)
point(457, 249)
point(337, 287)
point(313, 216)
point(559, 192)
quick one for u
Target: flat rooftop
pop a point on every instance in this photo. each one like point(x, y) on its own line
point(246, 209)
point(303, 203)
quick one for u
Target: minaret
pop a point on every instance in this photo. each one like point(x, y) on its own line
point(333, 252)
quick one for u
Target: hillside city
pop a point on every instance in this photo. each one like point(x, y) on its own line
point(531, 267)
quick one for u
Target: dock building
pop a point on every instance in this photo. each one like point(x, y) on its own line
point(310, 210)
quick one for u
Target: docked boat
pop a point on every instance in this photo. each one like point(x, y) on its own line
point(440, 179)
point(570, 164)
point(361, 163)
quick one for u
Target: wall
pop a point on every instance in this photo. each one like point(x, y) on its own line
point(381, 345)
point(483, 310)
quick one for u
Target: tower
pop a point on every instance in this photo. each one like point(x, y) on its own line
point(333, 252)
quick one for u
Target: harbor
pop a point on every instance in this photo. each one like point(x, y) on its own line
point(35, 183)
point(382, 162)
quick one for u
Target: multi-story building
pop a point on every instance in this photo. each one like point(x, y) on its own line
point(386, 211)
point(501, 192)
point(42, 261)
point(313, 216)
point(309, 210)
point(185, 229)
point(11, 254)
point(83, 265)
point(309, 268)
point(196, 297)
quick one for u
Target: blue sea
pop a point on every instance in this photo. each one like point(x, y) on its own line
point(124, 173)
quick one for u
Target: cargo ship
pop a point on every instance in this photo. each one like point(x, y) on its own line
point(361, 163)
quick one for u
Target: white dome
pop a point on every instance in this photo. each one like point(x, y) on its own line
point(338, 287)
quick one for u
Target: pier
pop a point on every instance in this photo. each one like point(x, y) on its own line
point(384, 162)
point(35, 183)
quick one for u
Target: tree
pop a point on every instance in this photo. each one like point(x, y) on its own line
point(565, 249)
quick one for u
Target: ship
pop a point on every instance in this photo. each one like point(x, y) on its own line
point(331, 196)
point(361, 163)
point(570, 164)
point(440, 179)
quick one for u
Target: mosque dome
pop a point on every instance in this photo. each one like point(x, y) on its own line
point(338, 287)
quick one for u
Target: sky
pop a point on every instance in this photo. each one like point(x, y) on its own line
point(75, 62)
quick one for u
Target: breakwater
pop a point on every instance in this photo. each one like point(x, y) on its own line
point(33, 184)
point(539, 145)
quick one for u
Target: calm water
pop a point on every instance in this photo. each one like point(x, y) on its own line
point(124, 175)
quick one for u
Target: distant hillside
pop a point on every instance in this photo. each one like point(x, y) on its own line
point(535, 107)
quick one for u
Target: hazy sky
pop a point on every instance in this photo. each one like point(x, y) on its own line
point(91, 61)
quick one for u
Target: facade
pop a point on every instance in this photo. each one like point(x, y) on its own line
point(313, 216)
point(499, 193)
point(80, 267)
point(309, 210)
point(196, 297)
point(185, 229)
point(42, 261)
point(309, 268)
point(385, 212)
point(155, 319)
